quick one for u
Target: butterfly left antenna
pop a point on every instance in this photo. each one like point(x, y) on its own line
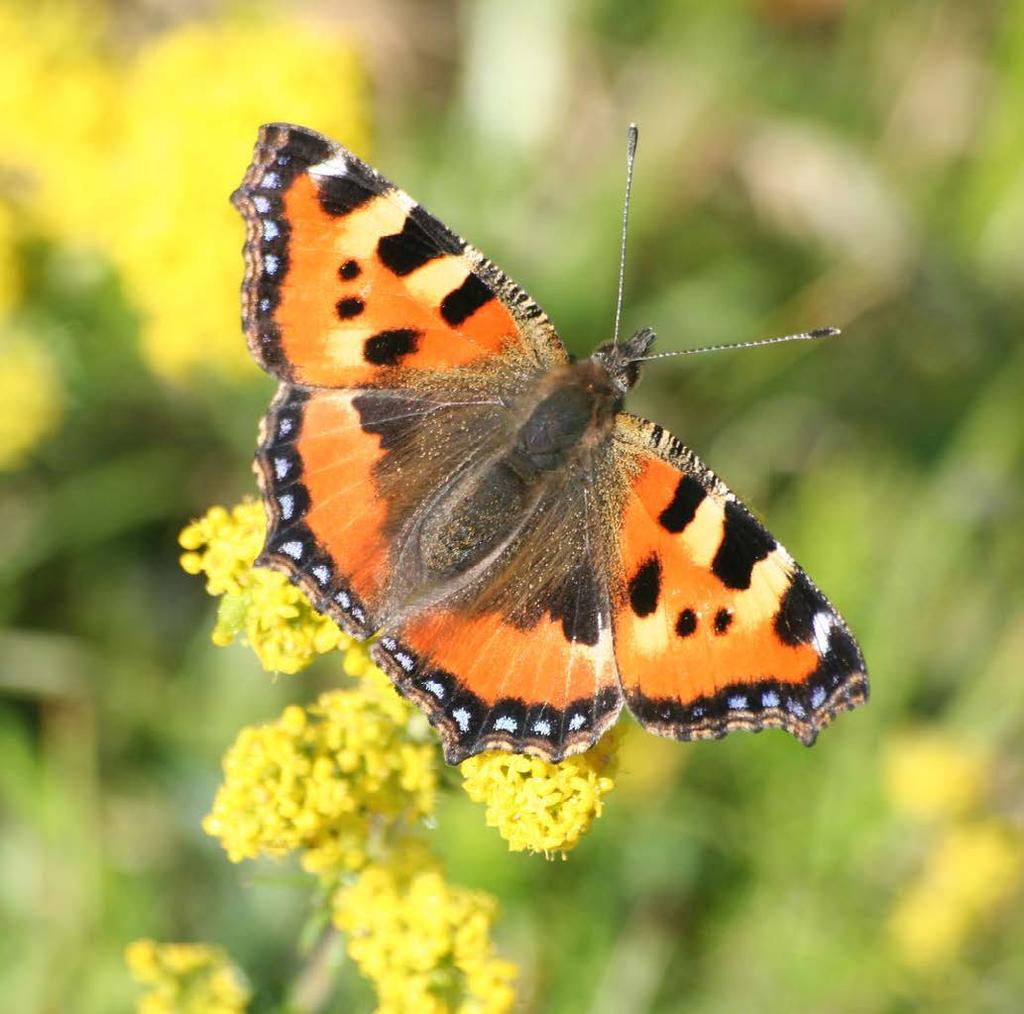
point(631, 139)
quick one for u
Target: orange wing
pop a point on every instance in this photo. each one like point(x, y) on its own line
point(350, 283)
point(716, 627)
point(490, 685)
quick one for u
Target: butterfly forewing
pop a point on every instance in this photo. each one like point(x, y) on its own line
point(350, 283)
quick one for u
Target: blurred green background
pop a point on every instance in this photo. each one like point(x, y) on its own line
point(801, 163)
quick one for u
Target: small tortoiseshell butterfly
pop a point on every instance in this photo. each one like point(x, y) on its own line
point(438, 469)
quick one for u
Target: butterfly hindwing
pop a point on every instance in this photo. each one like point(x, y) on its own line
point(521, 656)
point(334, 468)
point(350, 283)
point(716, 627)
point(489, 684)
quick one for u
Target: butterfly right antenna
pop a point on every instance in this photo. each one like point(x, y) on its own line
point(631, 139)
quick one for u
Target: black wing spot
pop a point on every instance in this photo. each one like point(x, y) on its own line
point(689, 495)
point(842, 659)
point(341, 195)
point(794, 622)
point(686, 624)
point(350, 307)
point(464, 301)
point(579, 607)
point(349, 270)
point(388, 348)
point(723, 620)
point(744, 543)
point(645, 587)
point(403, 252)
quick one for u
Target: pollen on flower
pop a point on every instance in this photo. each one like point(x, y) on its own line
point(260, 605)
point(341, 781)
point(538, 806)
point(186, 979)
point(424, 943)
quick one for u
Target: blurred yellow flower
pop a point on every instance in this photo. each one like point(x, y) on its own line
point(30, 397)
point(424, 943)
point(186, 979)
point(276, 618)
point(9, 269)
point(137, 160)
point(929, 775)
point(192, 105)
point(341, 780)
point(972, 870)
point(59, 104)
point(538, 806)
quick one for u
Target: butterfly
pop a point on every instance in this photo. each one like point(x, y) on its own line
point(439, 472)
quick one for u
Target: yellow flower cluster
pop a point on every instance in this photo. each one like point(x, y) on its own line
point(137, 159)
point(186, 979)
point(197, 96)
point(350, 781)
point(538, 806)
point(342, 781)
point(58, 100)
point(275, 618)
point(424, 943)
point(974, 863)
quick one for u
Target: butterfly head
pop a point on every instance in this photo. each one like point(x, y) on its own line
point(622, 359)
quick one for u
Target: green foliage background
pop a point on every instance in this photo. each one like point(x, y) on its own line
point(802, 162)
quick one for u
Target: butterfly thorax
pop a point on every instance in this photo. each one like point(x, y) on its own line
point(577, 405)
point(571, 413)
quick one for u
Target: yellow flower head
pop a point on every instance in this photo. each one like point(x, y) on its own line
point(186, 979)
point(928, 775)
point(971, 871)
point(275, 617)
point(343, 781)
point(30, 398)
point(424, 943)
point(539, 806)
